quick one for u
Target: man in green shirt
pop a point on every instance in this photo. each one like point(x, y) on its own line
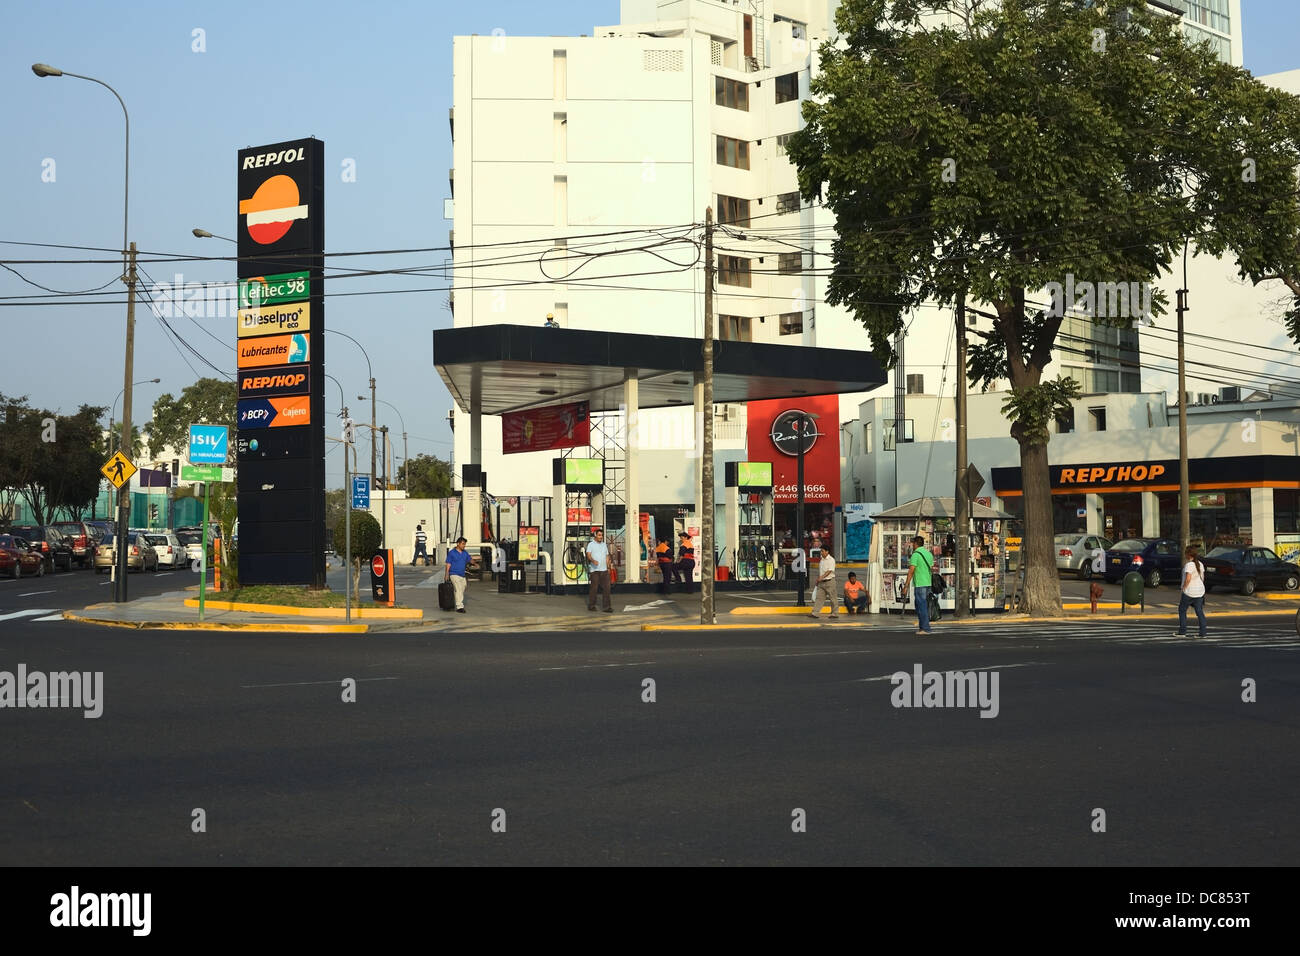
point(919, 571)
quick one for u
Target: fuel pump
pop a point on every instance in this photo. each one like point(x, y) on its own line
point(750, 519)
point(580, 500)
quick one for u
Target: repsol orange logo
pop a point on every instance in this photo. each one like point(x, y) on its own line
point(1101, 475)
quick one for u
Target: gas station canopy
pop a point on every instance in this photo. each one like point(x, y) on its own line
point(493, 369)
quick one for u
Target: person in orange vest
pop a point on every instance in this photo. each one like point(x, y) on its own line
point(664, 556)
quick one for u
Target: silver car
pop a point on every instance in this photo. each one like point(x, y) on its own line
point(1074, 552)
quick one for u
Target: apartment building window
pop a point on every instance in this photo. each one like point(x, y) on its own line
point(787, 202)
point(733, 152)
point(789, 263)
point(733, 270)
point(781, 141)
point(787, 87)
point(731, 93)
point(1098, 417)
point(733, 211)
point(735, 328)
point(791, 323)
point(866, 438)
point(1065, 422)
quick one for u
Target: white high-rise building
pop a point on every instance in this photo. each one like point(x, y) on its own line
point(579, 163)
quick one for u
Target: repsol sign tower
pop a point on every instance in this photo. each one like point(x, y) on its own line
point(279, 340)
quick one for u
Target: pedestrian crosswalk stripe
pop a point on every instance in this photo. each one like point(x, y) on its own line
point(30, 612)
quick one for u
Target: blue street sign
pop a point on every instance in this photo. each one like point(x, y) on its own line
point(208, 444)
point(360, 491)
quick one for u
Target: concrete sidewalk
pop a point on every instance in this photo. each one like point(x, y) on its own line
point(489, 610)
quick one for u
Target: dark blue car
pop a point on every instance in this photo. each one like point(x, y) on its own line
point(1156, 559)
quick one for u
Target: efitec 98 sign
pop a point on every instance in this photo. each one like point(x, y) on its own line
point(280, 356)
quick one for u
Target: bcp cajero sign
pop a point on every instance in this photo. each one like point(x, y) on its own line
point(280, 353)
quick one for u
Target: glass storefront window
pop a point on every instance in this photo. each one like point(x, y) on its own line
point(1218, 518)
point(1065, 514)
point(1121, 516)
point(1286, 510)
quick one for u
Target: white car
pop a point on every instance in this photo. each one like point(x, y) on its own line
point(171, 553)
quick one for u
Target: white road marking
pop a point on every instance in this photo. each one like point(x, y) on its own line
point(994, 667)
point(32, 612)
point(579, 667)
point(821, 653)
point(34, 593)
point(163, 574)
point(51, 617)
point(308, 683)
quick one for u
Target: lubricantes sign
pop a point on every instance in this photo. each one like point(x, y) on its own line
point(279, 332)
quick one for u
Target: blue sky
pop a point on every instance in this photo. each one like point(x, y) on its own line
point(371, 80)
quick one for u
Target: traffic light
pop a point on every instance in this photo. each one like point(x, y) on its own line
point(153, 513)
point(349, 431)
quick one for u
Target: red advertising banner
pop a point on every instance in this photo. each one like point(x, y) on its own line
point(541, 429)
point(774, 434)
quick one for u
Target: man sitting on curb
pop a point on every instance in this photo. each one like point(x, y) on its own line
point(856, 599)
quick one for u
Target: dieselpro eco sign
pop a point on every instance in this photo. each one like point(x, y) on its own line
point(269, 290)
point(280, 348)
point(274, 350)
point(274, 412)
point(266, 383)
point(270, 319)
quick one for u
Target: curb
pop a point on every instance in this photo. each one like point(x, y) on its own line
point(1281, 597)
point(759, 611)
point(220, 625)
point(285, 610)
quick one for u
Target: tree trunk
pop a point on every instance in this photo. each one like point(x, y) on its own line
point(1042, 584)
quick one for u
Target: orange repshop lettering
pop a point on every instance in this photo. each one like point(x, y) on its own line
point(1105, 474)
point(289, 380)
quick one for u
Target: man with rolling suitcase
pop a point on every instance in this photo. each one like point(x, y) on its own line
point(458, 559)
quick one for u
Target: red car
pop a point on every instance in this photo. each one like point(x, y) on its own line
point(17, 558)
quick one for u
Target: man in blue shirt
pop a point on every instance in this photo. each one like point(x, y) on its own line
point(458, 560)
point(598, 571)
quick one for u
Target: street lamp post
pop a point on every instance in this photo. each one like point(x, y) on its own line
point(371, 371)
point(125, 438)
point(406, 456)
point(129, 277)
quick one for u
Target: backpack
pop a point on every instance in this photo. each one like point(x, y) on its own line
point(938, 586)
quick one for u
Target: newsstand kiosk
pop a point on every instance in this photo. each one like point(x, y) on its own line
point(749, 516)
point(580, 499)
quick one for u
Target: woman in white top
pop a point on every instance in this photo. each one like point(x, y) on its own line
point(1193, 592)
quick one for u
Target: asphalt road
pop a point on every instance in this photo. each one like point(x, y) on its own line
point(75, 589)
point(747, 727)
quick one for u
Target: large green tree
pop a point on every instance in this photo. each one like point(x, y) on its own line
point(430, 477)
point(986, 150)
point(209, 401)
point(52, 461)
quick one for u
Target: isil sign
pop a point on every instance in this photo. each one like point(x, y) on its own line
point(280, 352)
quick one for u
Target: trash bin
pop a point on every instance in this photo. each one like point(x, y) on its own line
point(512, 581)
point(1134, 590)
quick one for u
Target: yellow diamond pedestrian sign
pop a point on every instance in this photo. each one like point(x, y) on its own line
point(118, 469)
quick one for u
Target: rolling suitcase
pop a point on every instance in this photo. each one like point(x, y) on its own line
point(446, 596)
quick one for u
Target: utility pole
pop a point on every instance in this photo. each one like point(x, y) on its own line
point(706, 472)
point(383, 498)
point(374, 436)
point(1184, 504)
point(124, 493)
point(961, 595)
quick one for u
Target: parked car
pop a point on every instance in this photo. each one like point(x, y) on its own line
point(141, 557)
point(17, 557)
point(54, 547)
point(170, 550)
point(1156, 559)
point(1074, 552)
point(83, 538)
point(1248, 568)
point(192, 541)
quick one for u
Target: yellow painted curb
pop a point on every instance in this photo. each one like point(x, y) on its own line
point(1085, 606)
point(725, 627)
point(221, 625)
point(747, 609)
point(388, 613)
point(1282, 597)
